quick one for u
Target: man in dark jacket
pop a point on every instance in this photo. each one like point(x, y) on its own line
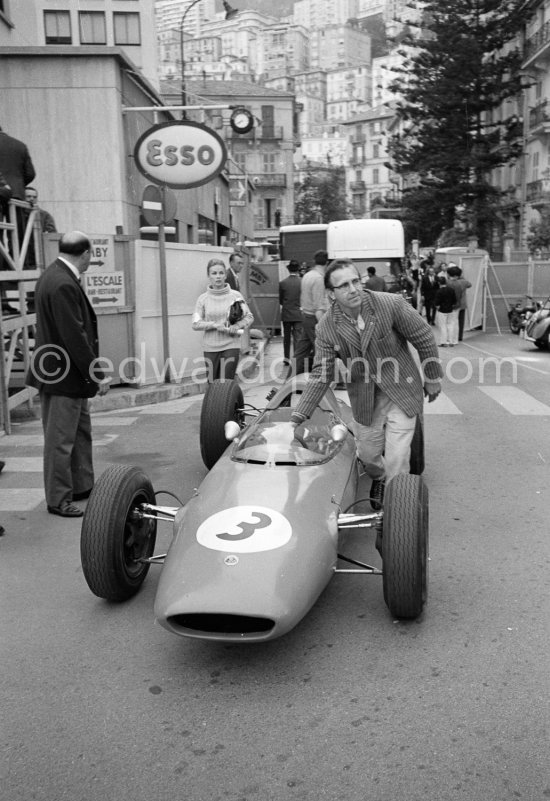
point(289, 300)
point(15, 164)
point(64, 370)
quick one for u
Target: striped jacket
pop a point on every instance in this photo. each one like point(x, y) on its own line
point(379, 355)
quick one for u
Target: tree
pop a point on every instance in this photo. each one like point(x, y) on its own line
point(539, 238)
point(321, 197)
point(456, 75)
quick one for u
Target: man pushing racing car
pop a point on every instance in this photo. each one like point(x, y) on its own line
point(369, 332)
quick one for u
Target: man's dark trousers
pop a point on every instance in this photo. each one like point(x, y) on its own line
point(67, 428)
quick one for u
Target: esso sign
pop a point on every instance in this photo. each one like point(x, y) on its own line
point(180, 154)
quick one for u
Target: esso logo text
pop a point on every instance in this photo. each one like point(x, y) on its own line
point(180, 154)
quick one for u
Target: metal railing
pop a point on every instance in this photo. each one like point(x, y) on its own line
point(18, 227)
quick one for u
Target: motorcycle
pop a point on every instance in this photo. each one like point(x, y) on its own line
point(521, 312)
point(537, 328)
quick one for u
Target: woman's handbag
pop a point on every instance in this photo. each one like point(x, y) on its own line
point(235, 313)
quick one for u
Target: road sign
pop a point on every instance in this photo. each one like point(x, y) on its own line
point(159, 205)
point(237, 190)
point(180, 154)
point(103, 255)
point(105, 290)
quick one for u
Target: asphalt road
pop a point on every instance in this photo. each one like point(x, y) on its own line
point(99, 703)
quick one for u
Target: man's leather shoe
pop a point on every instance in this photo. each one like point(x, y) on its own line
point(81, 496)
point(65, 509)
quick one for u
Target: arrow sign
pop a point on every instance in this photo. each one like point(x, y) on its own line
point(97, 263)
point(96, 301)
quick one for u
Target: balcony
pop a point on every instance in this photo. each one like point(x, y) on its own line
point(357, 186)
point(537, 46)
point(538, 193)
point(268, 179)
point(539, 120)
point(270, 131)
point(259, 132)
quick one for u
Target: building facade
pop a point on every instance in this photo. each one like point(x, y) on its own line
point(368, 179)
point(85, 23)
point(265, 153)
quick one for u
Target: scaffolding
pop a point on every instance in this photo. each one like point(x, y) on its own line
point(20, 225)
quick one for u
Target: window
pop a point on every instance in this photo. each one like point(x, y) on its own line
point(240, 160)
point(375, 177)
point(126, 28)
point(57, 27)
point(269, 162)
point(376, 151)
point(92, 27)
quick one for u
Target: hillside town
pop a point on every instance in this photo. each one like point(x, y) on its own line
point(316, 82)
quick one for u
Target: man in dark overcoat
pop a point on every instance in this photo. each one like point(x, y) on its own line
point(65, 371)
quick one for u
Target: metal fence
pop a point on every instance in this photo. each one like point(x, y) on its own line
point(508, 282)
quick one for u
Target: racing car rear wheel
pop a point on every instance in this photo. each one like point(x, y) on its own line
point(405, 546)
point(113, 537)
point(416, 463)
point(223, 401)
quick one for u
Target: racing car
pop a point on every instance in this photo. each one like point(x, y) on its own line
point(257, 543)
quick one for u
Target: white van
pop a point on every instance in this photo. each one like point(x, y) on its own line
point(376, 243)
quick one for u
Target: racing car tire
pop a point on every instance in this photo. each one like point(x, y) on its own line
point(405, 546)
point(416, 462)
point(223, 401)
point(111, 541)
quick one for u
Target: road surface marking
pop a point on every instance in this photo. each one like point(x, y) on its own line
point(516, 401)
point(20, 500)
point(113, 421)
point(23, 464)
point(441, 405)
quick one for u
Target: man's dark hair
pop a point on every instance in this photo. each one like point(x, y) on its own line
point(454, 271)
point(371, 270)
point(320, 257)
point(293, 266)
point(337, 264)
point(74, 243)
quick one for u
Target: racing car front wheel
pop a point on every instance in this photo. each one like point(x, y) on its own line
point(405, 546)
point(114, 538)
point(223, 401)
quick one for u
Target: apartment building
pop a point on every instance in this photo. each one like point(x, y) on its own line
point(336, 46)
point(175, 14)
point(314, 14)
point(367, 178)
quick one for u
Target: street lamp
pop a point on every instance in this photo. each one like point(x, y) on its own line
point(230, 13)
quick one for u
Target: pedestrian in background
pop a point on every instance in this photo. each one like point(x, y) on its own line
point(214, 311)
point(47, 222)
point(64, 370)
point(428, 290)
point(460, 285)
point(236, 263)
point(314, 303)
point(447, 314)
point(374, 282)
point(289, 300)
point(17, 170)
